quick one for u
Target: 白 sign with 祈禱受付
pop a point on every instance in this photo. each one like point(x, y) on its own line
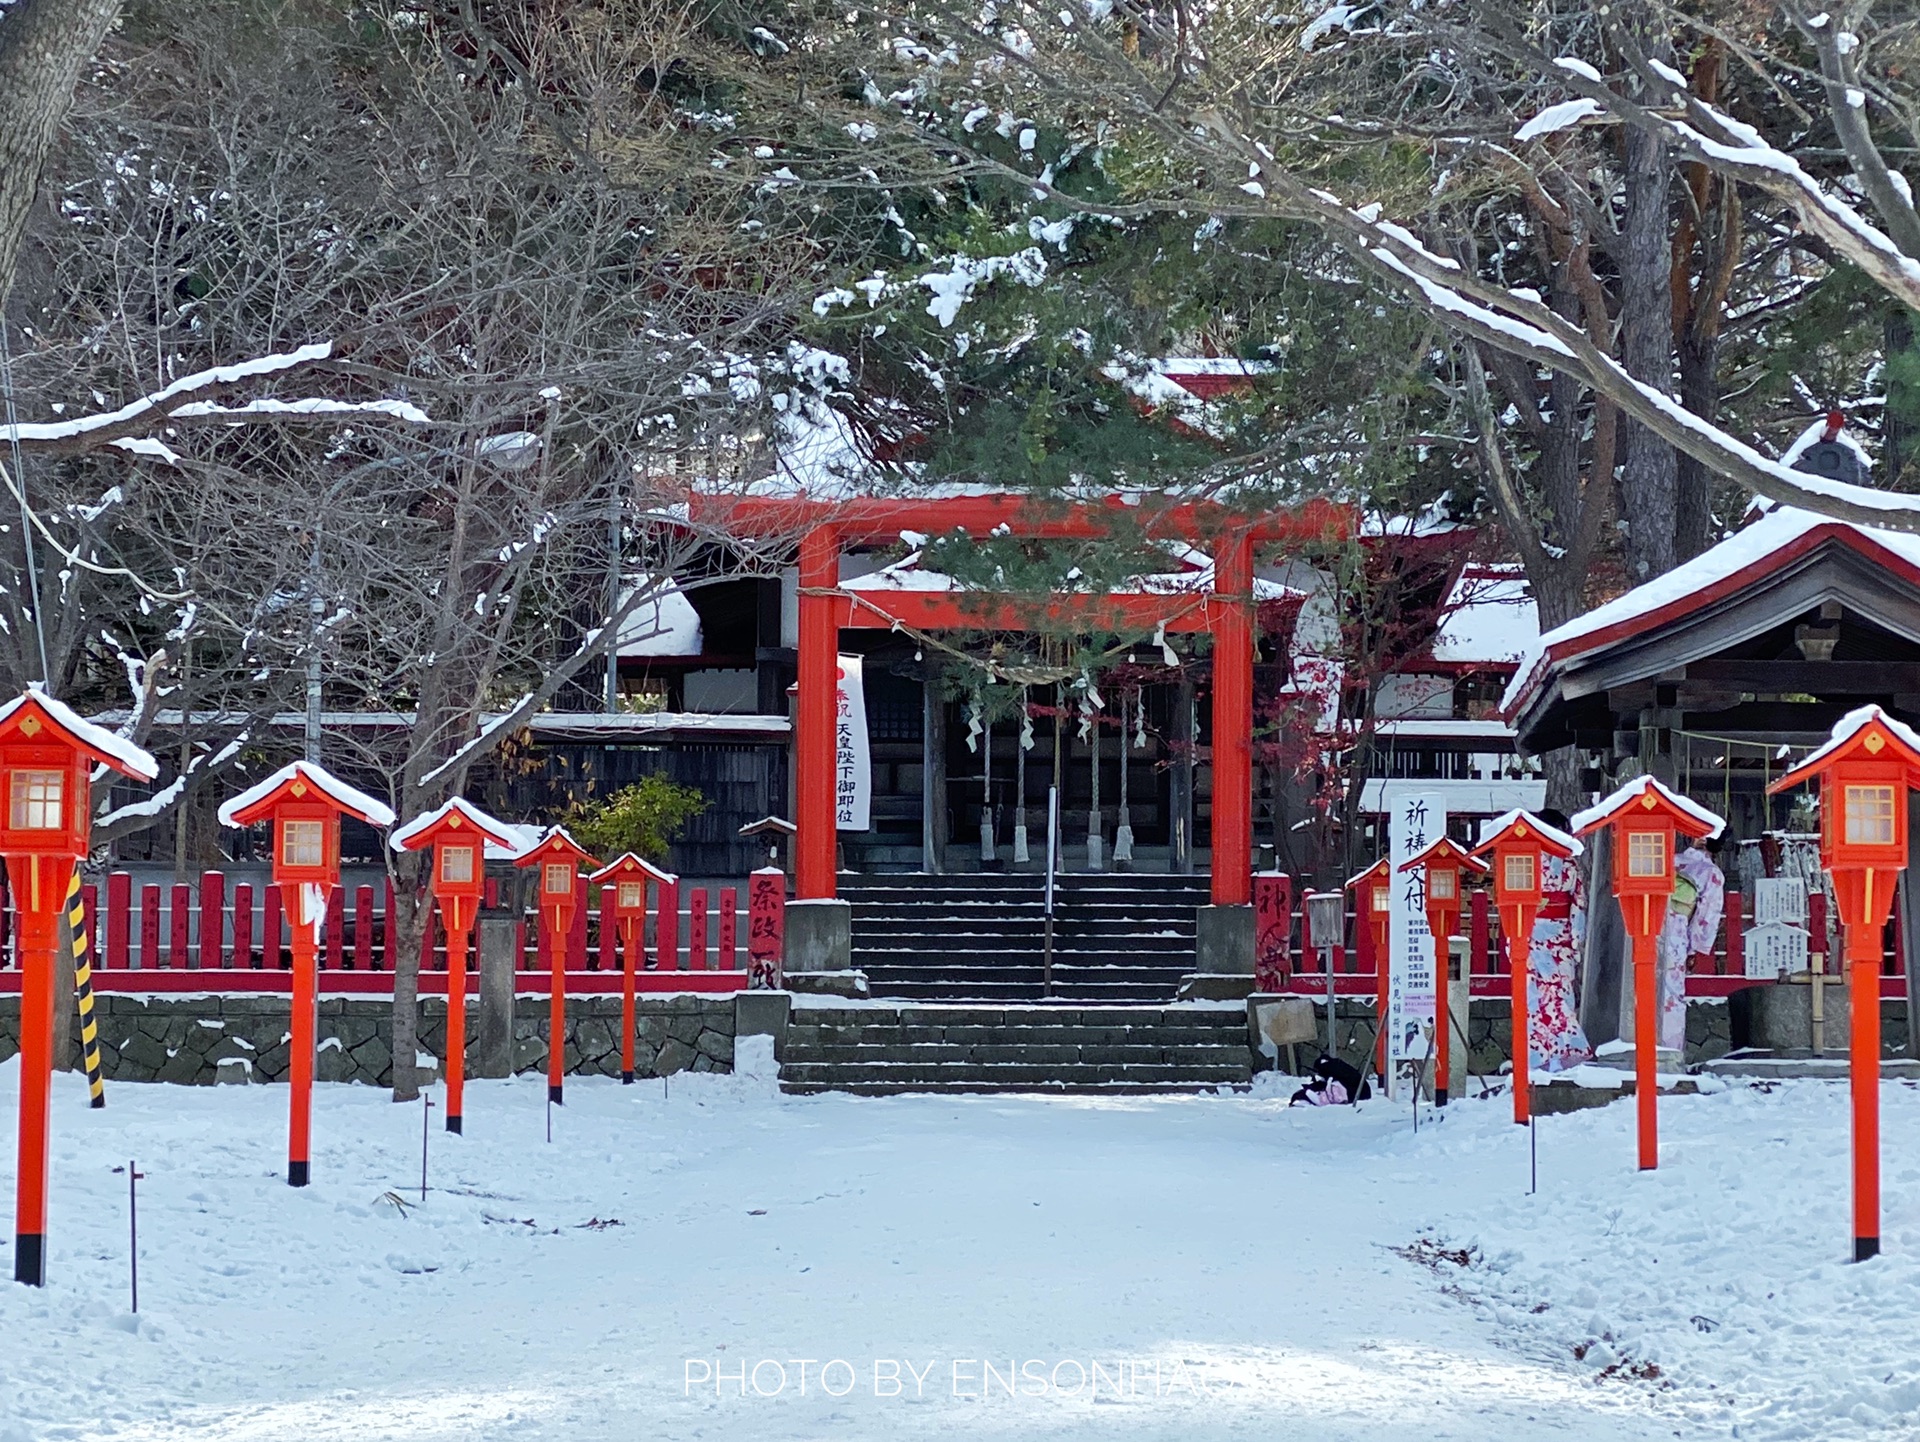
point(1415, 821)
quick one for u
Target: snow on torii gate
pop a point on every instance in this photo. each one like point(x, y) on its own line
point(825, 527)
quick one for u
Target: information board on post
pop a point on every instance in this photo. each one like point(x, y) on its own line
point(1415, 821)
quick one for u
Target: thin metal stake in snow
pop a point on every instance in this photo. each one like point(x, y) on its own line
point(133, 1232)
point(426, 1115)
point(1533, 1158)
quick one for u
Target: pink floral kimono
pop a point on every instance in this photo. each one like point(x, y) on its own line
point(1554, 1038)
point(1693, 921)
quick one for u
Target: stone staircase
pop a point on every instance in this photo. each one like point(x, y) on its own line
point(981, 937)
point(880, 1050)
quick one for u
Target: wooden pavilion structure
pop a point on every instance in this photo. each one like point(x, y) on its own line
point(1712, 677)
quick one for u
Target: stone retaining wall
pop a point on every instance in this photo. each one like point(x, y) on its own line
point(187, 1038)
point(1490, 1031)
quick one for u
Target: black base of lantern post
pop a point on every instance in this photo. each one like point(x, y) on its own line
point(553, 1095)
point(626, 1078)
point(30, 1258)
point(453, 1123)
point(1865, 1248)
point(1439, 1096)
point(297, 1174)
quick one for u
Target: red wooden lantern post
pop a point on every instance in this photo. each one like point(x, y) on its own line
point(1865, 772)
point(1519, 844)
point(47, 754)
point(1448, 866)
point(627, 877)
point(305, 805)
point(1373, 898)
point(459, 834)
point(1645, 817)
point(559, 859)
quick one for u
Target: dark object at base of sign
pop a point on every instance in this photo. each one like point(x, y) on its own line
point(1334, 1083)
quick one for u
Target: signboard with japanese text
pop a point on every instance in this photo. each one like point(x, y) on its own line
point(853, 764)
point(1416, 821)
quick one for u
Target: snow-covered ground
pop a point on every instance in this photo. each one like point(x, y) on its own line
point(1233, 1269)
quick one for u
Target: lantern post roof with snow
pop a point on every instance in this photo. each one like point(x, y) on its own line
point(1448, 864)
point(1863, 770)
point(1646, 817)
point(627, 875)
point(1373, 888)
point(48, 753)
point(1518, 843)
point(305, 802)
point(559, 859)
point(459, 833)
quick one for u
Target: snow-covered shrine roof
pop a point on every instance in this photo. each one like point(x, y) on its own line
point(1489, 618)
point(1766, 548)
point(664, 624)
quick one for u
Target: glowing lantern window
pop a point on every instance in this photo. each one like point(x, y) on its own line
point(1646, 853)
point(1382, 898)
point(456, 863)
point(1519, 874)
point(1869, 815)
point(1441, 883)
point(303, 843)
point(36, 800)
point(557, 878)
point(632, 895)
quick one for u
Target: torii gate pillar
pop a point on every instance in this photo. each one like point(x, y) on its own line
point(818, 928)
point(813, 749)
point(1225, 942)
point(1233, 723)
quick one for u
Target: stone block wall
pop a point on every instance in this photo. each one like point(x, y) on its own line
point(186, 1038)
point(1490, 1031)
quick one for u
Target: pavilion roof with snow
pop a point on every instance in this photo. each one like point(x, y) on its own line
point(1769, 637)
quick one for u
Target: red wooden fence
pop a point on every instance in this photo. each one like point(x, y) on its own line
point(1718, 974)
point(188, 938)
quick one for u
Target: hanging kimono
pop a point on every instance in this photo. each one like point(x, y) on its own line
point(1554, 1038)
point(1693, 921)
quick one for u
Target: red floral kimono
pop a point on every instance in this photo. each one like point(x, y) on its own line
point(1554, 1038)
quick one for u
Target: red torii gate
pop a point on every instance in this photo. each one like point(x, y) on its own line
point(826, 527)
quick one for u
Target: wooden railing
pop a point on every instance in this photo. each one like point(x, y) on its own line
point(210, 937)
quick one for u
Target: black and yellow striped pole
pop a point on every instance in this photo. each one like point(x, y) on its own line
point(83, 991)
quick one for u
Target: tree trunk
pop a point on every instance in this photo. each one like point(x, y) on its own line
point(43, 44)
point(1648, 475)
point(1693, 486)
point(416, 909)
point(1902, 423)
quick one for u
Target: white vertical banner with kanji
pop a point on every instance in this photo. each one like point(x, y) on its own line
point(852, 762)
point(1415, 821)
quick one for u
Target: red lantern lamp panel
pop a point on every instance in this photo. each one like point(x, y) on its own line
point(306, 844)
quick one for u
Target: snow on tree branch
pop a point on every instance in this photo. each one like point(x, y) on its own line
point(192, 398)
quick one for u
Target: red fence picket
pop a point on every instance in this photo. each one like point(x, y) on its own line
point(179, 921)
point(119, 919)
point(363, 928)
point(270, 930)
point(211, 952)
point(697, 929)
point(243, 925)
